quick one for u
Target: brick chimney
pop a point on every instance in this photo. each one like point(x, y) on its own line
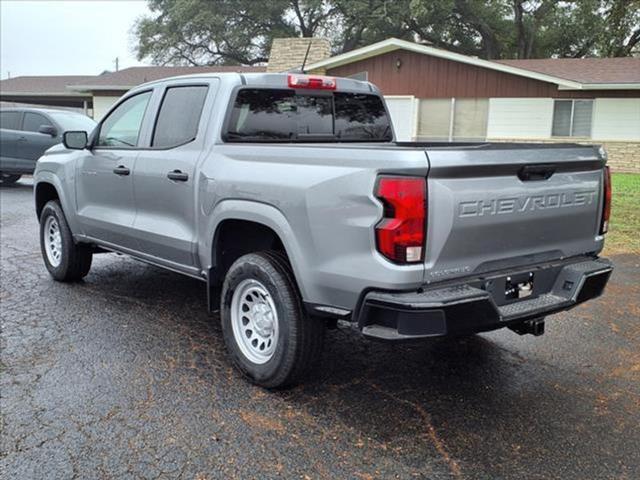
point(288, 53)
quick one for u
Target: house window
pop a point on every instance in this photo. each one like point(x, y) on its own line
point(364, 76)
point(470, 119)
point(453, 119)
point(572, 118)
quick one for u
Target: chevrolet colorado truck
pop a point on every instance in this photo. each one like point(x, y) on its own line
point(288, 196)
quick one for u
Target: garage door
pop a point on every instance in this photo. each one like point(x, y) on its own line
point(402, 116)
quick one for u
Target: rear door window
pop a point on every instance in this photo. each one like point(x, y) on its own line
point(179, 116)
point(288, 115)
point(33, 121)
point(10, 120)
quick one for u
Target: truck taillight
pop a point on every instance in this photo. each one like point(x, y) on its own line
point(400, 235)
point(311, 81)
point(606, 207)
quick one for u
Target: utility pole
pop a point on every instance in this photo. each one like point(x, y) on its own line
point(117, 61)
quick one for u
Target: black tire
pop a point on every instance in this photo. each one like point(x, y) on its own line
point(299, 346)
point(75, 259)
point(8, 178)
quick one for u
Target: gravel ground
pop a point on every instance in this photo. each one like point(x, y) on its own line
point(125, 376)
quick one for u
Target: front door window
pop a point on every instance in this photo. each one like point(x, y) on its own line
point(121, 128)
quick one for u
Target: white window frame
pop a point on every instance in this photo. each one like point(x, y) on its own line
point(573, 106)
point(452, 111)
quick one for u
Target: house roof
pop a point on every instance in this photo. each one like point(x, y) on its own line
point(625, 78)
point(134, 76)
point(584, 70)
point(55, 85)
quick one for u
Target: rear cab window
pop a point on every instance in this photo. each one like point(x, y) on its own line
point(288, 115)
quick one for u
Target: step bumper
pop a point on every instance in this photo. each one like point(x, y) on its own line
point(472, 306)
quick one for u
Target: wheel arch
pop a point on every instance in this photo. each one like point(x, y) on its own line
point(48, 186)
point(264, 221)
point(44, 192)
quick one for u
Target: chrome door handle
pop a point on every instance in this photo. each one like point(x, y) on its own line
point(178, 176)
point(121, 170)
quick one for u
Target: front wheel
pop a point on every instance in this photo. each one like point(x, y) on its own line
point(66, 260)
point(267, 334)
point(8, 178)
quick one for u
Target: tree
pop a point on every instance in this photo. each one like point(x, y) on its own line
point(240, 32)
point(200, 32)
point(622, 19)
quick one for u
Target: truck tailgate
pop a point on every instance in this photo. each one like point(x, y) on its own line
point(497, 206)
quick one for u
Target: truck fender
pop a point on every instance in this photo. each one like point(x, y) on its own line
point(66, 203)
point(257, 212)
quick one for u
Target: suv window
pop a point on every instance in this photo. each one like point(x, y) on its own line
point(122, 127)
point(179, 116)
point(288, 115)
point(74, 121)
point(33, 121)
point(10, 120)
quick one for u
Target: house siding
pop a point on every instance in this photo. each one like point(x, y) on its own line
point(520, 109)
point(424, 76)
point(616, 119)
point(102, 104)
point(520, 118)
point(403, 115)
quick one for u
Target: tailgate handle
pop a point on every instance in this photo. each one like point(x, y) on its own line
point(533, 173)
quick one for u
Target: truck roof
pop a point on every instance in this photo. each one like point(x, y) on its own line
point(276, 80)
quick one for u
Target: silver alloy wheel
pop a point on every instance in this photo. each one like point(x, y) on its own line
point(254, 321)
point(52, 241)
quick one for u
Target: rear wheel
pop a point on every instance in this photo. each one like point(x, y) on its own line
point(267, 334)
point(65, 260)
point(9, 178)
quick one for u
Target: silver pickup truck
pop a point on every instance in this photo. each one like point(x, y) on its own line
point(288, 196)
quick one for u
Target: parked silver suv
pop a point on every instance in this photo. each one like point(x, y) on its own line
point(25, 134)
point(287, 195)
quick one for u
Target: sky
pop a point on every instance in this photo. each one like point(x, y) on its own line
point(72, 37)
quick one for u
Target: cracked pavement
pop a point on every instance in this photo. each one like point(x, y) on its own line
point(125, 375)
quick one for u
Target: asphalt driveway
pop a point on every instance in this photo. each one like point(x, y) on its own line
point(125, 376)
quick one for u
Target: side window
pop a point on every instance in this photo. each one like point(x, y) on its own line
point(572, 118)
point(33, 121)
point(179, 116)
point(122, 127)
point(10, 120)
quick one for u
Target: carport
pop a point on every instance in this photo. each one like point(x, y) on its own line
point(50, 91)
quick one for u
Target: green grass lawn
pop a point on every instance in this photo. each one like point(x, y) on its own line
point(624, 229)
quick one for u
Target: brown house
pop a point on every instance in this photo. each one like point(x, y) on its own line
point(434, 94)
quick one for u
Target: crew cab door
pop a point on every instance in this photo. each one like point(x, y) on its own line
point(165, 175)
point(104, 180)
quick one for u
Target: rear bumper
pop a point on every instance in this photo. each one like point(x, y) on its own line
point(477, 305)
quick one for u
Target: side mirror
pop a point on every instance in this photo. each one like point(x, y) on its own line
point(48, 130)
point(75, 140)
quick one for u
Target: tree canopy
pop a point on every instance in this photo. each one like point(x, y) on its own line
point(240, 32)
